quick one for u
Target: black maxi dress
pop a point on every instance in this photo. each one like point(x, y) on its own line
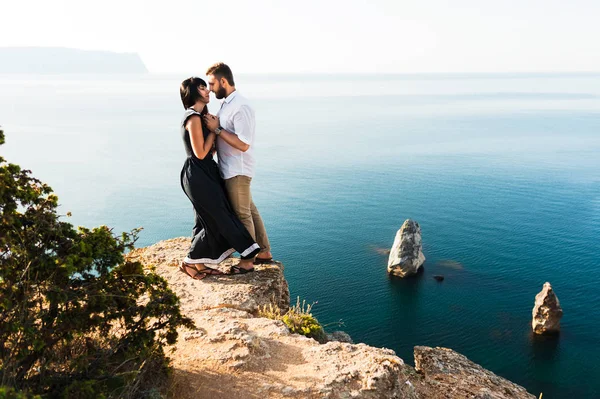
point(217, 231)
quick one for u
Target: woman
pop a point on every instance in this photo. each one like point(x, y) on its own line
point(217, 232)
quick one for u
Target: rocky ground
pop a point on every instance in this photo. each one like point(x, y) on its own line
point(235, 354)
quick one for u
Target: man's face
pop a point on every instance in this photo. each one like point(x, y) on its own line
point(216, 86)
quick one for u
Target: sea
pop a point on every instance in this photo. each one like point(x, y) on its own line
point(501, 171)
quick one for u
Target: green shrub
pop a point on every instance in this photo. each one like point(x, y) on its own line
point(77, 320)
point(298, 319)
point(11, 393)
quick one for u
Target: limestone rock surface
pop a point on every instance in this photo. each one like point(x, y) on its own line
point(340, 336)
point(245, 292)
point(546, 312)
point(406, 256)
point(232, 354)
point(449, 374)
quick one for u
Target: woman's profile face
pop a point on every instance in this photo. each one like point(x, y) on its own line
point(204, 94)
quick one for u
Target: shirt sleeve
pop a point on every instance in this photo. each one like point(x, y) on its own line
point(243, 124)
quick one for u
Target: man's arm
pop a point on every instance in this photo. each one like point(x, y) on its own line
point(243, 122)
point(233, 140)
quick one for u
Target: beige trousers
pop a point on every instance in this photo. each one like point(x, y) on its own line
point(238, 191)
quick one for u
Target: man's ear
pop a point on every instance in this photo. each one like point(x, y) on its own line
point(223, 81)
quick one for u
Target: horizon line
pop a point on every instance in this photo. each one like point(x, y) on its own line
point(373, 73)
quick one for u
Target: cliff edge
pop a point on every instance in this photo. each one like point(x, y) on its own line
point(235, 354)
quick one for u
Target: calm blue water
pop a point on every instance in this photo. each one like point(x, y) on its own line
point(501, 171)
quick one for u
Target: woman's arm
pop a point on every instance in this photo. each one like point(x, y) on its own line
point(200, 146)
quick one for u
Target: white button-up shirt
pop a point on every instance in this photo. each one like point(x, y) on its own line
point(236, 116)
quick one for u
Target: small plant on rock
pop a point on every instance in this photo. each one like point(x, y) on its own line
point(298, 319)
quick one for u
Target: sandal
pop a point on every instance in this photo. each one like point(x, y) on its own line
point(199, 274)
point(240, 270)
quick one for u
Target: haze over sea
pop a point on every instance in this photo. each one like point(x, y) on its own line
point(501, 171)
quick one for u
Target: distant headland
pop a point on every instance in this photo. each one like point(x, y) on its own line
point(58, 60)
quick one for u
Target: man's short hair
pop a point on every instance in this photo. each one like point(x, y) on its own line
point(221, 70)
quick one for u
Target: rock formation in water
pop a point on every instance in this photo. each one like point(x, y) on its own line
point(232, 353)
point(406, 256)
point(546, 312)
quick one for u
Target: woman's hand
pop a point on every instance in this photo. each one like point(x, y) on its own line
point(212, 122)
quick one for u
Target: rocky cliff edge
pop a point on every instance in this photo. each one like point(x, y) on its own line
point(232, 353)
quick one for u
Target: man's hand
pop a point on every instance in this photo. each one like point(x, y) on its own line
point(212, 122)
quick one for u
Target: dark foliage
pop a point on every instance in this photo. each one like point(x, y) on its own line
point(77, 319)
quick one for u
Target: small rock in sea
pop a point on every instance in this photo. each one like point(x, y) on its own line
point(546, 312)
point(438, 277)
point(406, 256)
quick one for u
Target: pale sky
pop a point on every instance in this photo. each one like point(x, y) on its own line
point(254, 36)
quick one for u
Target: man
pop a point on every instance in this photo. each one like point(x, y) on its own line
point(234, 127)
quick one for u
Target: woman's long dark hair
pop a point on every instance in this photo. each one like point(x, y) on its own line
point(189, 92)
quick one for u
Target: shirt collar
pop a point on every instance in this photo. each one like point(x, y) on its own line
point(230, 97)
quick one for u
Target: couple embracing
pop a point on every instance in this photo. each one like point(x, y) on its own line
point(226, 219)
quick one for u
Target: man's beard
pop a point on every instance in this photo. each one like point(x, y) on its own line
point(221, 93)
